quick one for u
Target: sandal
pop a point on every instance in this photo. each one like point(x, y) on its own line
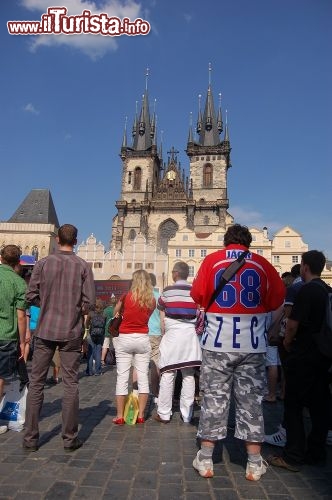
point(118, 421)
point(140, 420)
point(278, 461)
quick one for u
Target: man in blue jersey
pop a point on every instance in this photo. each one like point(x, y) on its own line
point(179, 347)
point(234, 347)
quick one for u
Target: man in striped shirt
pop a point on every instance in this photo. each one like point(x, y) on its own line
point(179, 347)
point(62, 285)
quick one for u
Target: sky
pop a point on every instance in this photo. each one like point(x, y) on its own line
point(64, 101)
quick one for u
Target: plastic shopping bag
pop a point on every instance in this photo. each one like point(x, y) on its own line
point(131, 409)
point(13, 404)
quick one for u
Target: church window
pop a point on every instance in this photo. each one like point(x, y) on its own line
point(206, 219)
point(203, 252)
point(287, 244)
point(259, 251)
point(35, 252)
point(202, 200)
point(185, 237)
point(207, 175)
point(178, 252)
point(129, 265)
point(132, 234)
point(166, 231)
point(137, 178)
point(276, 259)
point(138, 265)
point(97, 265)
point(253, 236)
point(191, 271)
point(129, 177)
point(149, 265)
point(295, 259)
point(191, 252)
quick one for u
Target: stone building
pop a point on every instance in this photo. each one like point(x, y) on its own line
point(163, 215)
point(34, 225)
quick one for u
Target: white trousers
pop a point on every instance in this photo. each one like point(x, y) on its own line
point(132, 349)
point(187, 394)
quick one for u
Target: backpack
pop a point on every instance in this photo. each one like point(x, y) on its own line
point(97, 328)
point(323, 337)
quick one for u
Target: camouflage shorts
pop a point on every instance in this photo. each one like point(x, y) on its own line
point(240, 375)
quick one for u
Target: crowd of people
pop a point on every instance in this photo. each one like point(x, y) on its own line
point(245, 329)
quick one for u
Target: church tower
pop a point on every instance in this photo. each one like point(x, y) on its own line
point(157, 200)
point(141, 166)
point(209, 162)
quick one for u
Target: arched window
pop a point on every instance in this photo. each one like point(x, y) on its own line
point(137, 178)
point(207, 175)
point(132, 234)
point(167, 230)
point(35, 252)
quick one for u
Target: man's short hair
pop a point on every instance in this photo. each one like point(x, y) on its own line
point(153, 279)
point(238, 234)
point(315, 260)
point(10, 255)
point(296, 270)
point(182, 269)
point(67, 235)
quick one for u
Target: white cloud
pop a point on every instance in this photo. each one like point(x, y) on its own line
point(29, 108)
point(252, 218)
point(188, 17)
point(94, 46)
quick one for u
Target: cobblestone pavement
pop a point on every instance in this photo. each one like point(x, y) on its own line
point(150, 461)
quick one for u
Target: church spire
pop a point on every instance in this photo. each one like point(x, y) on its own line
point(143, 132)
point(124, 140)
point(191, 135)
point(210, 127)
point(226, 138)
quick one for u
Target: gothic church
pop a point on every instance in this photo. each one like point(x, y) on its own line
point(157, 200)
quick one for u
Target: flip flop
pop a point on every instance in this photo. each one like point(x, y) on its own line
point(278, 461)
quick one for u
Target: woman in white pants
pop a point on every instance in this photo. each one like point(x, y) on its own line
point(132, 346)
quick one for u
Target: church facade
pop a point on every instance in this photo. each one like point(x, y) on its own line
point(163, 214)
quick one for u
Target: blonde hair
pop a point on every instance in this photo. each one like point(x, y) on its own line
point(141, 289)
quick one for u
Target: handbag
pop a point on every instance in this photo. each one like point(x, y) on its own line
point(227, 275)
point(114, 324)
point(273, 332)
point(13, 405)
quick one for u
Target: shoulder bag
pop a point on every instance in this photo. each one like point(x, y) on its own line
point(227, 275)
point(114, 324)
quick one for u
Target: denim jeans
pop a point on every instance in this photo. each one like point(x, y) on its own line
point(94, 353)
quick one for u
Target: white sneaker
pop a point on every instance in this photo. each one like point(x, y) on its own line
point(329, 438)
point(255, 471)
point(204, 467)
point(3, 429)
point(278, 438)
